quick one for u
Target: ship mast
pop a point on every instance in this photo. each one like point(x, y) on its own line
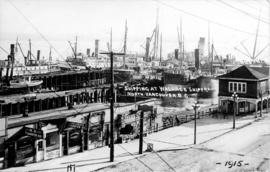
point(180, 43)
point(256, 38)
point(269, 27)
point(209, 48)
point(156, 36)
point(50, 59)
point(76, 47)
point(30, 52)
point(125, 45)
point(111, 40)
point(160, 47)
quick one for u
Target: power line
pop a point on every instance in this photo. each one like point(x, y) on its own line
point(242, 11)
point(163, 159)
point(243, 3)
point(240, 3)
point(207, 20)
point(136, 158)
point(36, 29)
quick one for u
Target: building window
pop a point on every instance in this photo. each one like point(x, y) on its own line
point(235, 87)
point(244, 87)
point(230, 87)
point(238, 87)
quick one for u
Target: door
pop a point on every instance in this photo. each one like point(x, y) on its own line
point(11, 155)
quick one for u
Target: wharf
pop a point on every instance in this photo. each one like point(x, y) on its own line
point(64, 112)
point(15, 98)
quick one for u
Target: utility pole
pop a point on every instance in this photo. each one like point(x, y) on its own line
point(261, 96)
point(112, 105)
point(235, 97)
point(141, 133)
point(195, 107)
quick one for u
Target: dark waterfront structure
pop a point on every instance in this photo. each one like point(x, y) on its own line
point(53, 133)
point(251, 84)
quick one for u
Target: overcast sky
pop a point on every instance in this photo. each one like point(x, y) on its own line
point(61, 20)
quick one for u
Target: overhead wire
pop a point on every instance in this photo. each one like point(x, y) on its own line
point(242, 11)
point(160, 157)
point(37, 30)
point(43, 37)
point(206, 19)
point(147, 166)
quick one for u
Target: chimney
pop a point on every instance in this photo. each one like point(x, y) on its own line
point(28, 61)
point(96, 47)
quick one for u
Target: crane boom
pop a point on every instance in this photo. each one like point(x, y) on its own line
point(72, 49)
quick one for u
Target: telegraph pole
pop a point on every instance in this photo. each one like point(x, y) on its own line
point(261, 108)
point(195, 107)
point(112, 105)
point(235, 97)
point(141, 133)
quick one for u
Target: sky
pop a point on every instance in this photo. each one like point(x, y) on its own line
point(55, 22)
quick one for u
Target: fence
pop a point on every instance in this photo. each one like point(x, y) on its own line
point(184, 117)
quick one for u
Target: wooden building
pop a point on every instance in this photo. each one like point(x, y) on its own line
point(59, 132)
point(251, 84)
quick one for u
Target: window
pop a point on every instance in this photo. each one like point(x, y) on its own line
point(235, 86)
point(238, 87)
point(52, 141)
point(230, 87)
point(244, 87)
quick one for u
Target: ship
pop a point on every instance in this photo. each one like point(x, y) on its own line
point(20, 85)
point(10, 84)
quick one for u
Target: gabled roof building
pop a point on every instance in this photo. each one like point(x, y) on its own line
point(250, 84)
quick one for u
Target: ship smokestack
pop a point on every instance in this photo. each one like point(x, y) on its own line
point(197, 59)
point(12, 58)
point(176, 53)
point(147, 46)
point(88, 52)
point(38, 56)
point(12, 49)
point(96, 47)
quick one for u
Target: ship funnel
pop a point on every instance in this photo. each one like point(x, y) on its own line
point(96, 47)
point(197, 59)
point(38, 56)
point(88, 52)
point(12, 49)
point(176, 53)
point(147, 46)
